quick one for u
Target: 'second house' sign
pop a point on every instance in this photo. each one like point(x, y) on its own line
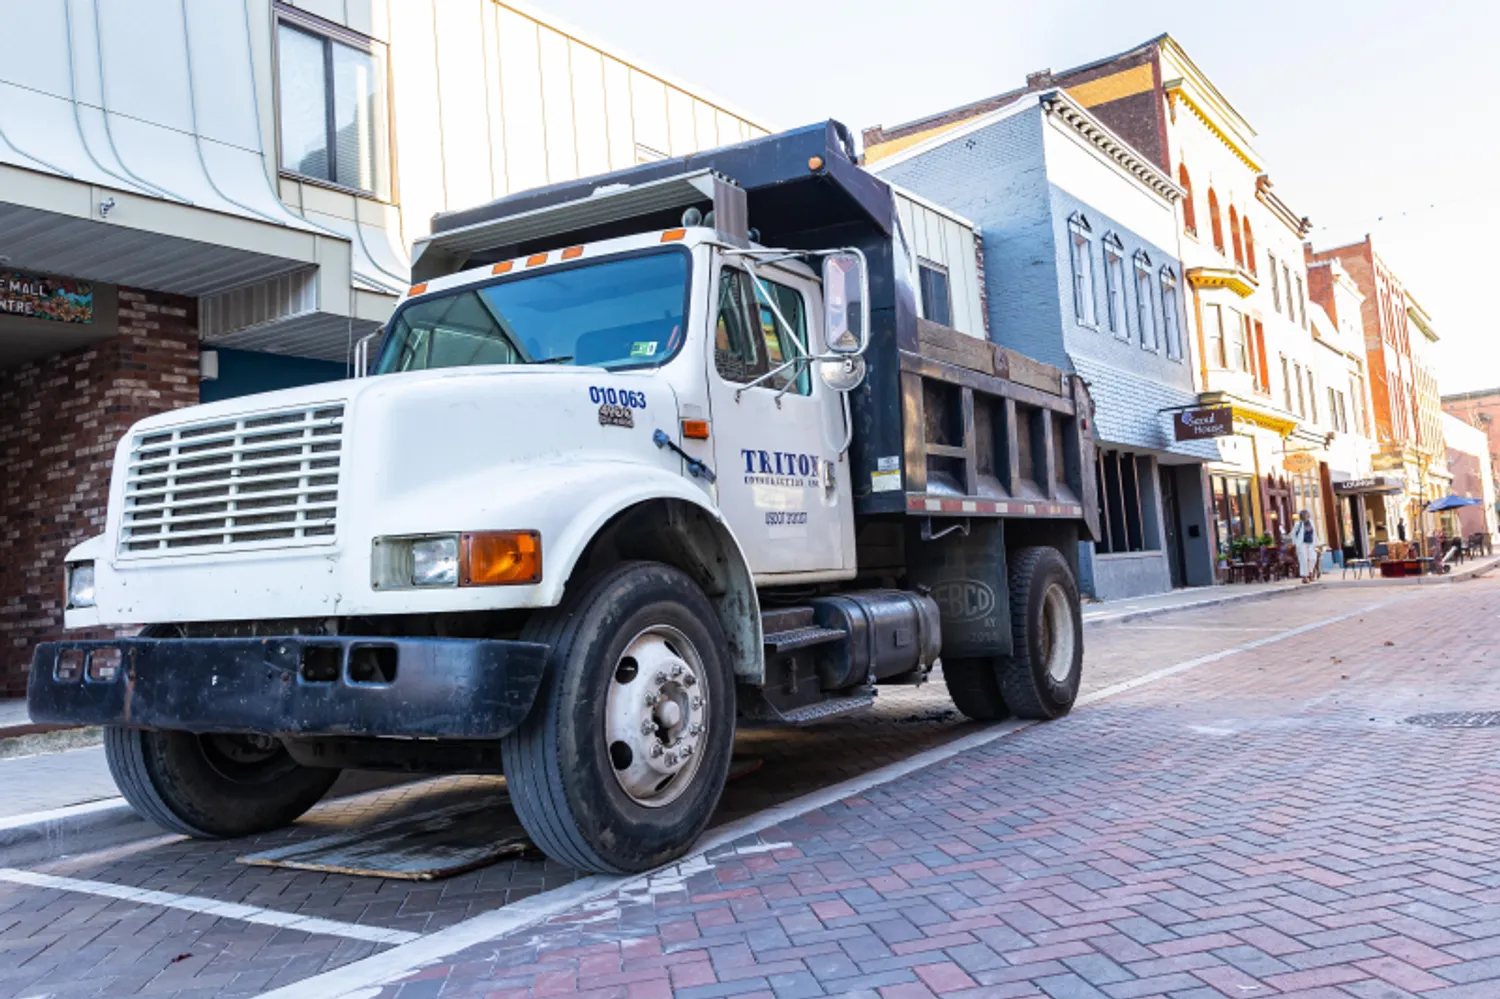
point(1196, 424)
point(62, 300)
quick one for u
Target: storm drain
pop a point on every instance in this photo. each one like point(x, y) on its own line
point(1458, 719)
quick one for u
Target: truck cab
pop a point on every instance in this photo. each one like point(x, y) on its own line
point(621, 472)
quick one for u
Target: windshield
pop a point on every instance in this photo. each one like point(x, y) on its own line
point(624, 312)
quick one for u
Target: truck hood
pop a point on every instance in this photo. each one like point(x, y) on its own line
point(460, 449)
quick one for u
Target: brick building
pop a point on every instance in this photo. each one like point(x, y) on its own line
point(228, 210)
point(1079, 235)
point(1405, 406)
point(1478, 409)
point(1473, 469)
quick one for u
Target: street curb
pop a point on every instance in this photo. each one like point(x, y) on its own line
point(1228, 598)
point(90, 816)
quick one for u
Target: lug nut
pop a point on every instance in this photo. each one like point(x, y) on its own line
point(651, 700)
point(671, 759)
point(647, 727)
point(689, 680)
point(687, 751)
point(697, 702)
point(656, 750)
point(677, 670)
point(696, 730)
point(660, 678)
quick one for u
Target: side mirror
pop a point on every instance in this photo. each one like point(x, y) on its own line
point(845, 320)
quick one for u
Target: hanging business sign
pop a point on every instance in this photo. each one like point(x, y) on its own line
point(1198, 424)
point(35, 296)
point(1298, 462)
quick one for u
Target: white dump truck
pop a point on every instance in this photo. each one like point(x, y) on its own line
point(638, 458)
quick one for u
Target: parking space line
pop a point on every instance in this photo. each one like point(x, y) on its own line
point(363, 979)
point(210, 907)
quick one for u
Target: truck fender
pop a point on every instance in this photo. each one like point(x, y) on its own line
point(644, 513)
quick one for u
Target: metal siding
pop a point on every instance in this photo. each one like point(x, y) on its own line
point(557, 105)
point(620, 116)
point(460, 72)
point(648, 106)
point(521, 89)
point(589, 110)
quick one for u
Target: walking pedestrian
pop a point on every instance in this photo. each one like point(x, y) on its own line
point(1304, 537)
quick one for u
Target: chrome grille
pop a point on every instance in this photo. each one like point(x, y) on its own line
point(263, 480)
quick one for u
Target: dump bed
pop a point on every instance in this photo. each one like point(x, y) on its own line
point(946, 423)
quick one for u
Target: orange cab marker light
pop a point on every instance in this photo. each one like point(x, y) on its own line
point(417, 289)
point(572, 253)
point(696, 430)
point(500, 558)
point(536, 258)
point(503, 267)
point(673, 235)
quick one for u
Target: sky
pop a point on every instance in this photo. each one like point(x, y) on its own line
point(1373, 117)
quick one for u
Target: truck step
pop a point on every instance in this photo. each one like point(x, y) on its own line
point(801, 638)
point(829, 708)
point(773, 619)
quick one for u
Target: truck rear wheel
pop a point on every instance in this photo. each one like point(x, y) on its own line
point(212, 786)
point(1040, 679)
point(974, 685)
point(620, 763)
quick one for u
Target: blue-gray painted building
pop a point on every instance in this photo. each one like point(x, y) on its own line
point(1079, 237)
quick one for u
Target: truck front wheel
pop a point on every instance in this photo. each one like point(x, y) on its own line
point(1041, 677)
point(620, 763)
point(212, 786)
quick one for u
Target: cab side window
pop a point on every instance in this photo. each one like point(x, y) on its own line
point(738, 353)
point(781, 347)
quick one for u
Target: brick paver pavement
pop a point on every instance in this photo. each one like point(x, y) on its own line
point(757, 900)
point(1265, 824)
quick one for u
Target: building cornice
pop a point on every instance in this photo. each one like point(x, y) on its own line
point(1059, 106)
point(1177, 93)
point(1300, 225)
point(1420, 318)
point(1236, 279)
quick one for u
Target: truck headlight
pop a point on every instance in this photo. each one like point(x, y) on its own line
point(80, 577)
point(479, 558)
point(434, 561)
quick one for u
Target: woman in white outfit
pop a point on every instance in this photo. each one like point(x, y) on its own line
point(1304, 538)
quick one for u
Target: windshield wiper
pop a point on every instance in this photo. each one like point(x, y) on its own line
point(559, 359)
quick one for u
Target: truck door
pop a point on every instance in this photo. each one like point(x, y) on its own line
point(783, 487)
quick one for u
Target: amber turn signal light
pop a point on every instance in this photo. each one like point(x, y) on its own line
point(695, 429)
point(500, 558)
point(673, 235)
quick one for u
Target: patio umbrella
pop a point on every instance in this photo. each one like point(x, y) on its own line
point(1451, 502)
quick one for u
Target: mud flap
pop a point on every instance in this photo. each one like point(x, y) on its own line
point(965, 572)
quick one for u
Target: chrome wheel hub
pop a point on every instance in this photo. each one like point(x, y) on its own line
point(656, 716)
point(1057, 637)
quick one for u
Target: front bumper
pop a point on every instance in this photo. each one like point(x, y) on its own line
point(295, 685)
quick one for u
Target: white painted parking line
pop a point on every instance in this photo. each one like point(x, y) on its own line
point(362, 979)
point(210, 907)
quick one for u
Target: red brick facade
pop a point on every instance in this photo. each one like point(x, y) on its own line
point(60, 418)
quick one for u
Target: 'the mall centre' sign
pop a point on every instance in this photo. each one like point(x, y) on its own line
point(35, 296)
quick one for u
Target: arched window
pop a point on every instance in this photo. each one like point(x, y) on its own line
point(1249, 246)
point(1215, 221)
point(1170, 326)
point(1145, 312)
point(1114, 284)
point(1189, 213)
point(1234, 236)
point(1081, 250)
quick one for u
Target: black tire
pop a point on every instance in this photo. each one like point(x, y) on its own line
point(559, 769)
point(211, 787)
point(974, 685)
point(1040, 679)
